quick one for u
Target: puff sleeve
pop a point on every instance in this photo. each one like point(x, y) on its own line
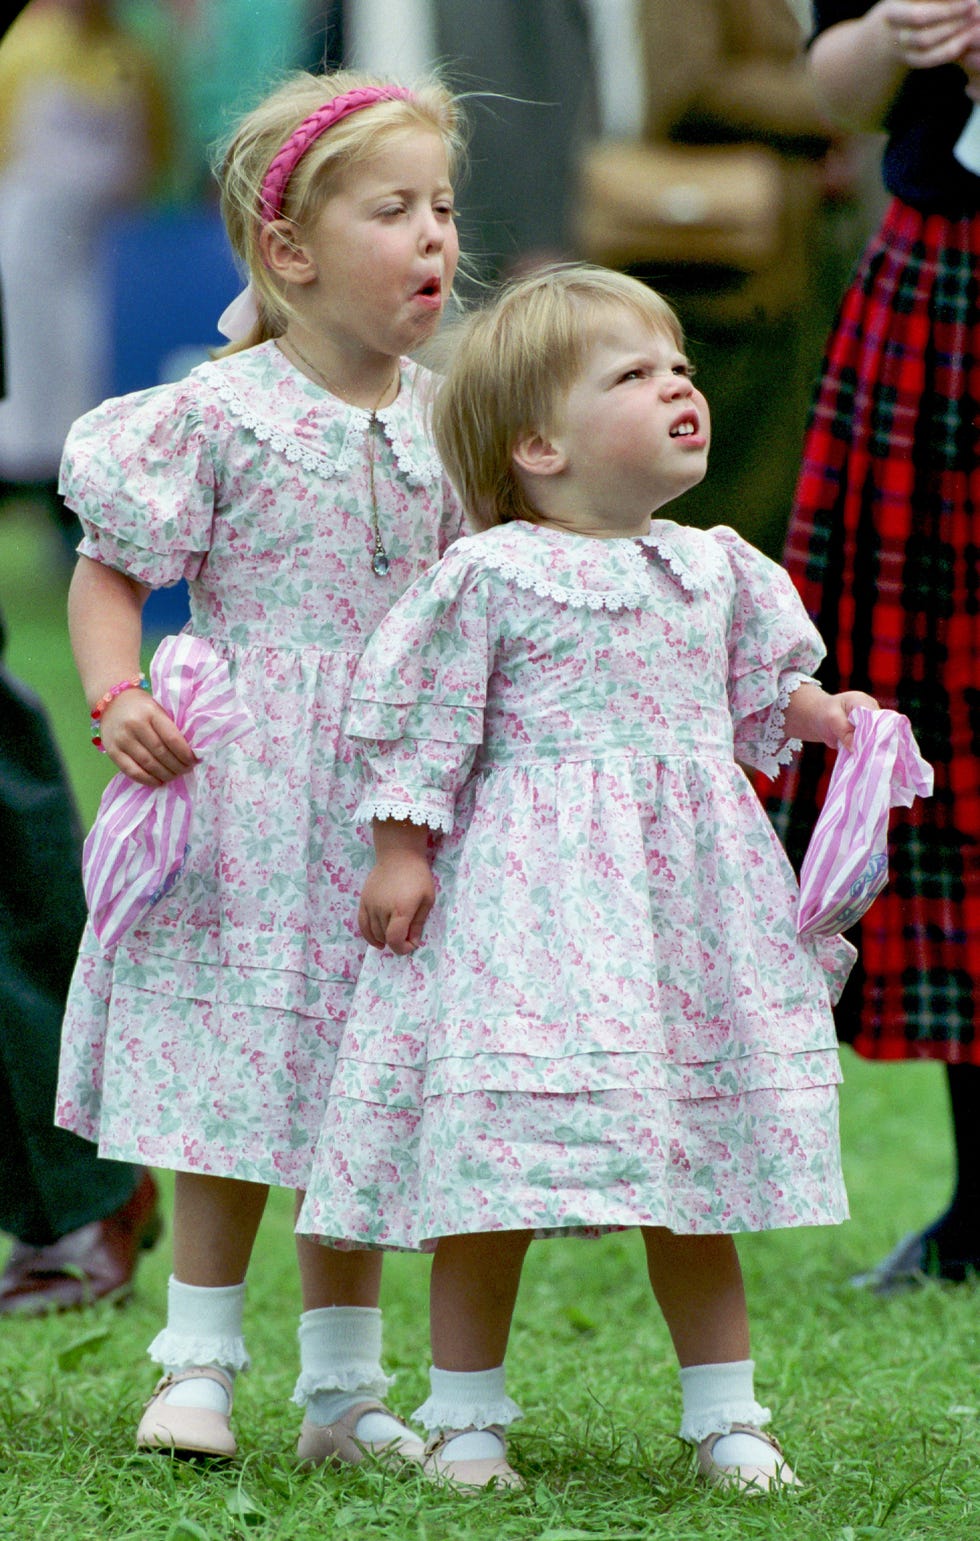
point(772, 648)
point(418, 696)
point(138, 472)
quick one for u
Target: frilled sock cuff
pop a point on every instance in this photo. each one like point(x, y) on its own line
point(461, 1399)
point(204, 1326)
point(717, 1395)
point(340, 1350)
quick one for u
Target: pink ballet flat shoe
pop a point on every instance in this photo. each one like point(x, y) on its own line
point(187, 1431)
point(471, 1474)
point(337, 1442)
point(745, 1478)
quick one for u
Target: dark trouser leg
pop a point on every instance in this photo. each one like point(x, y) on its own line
point(956, 1233)
point(50, 1181)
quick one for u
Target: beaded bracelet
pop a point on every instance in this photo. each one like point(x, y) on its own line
point(139, 683)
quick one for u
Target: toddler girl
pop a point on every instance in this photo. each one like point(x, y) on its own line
point(607, 1020)
point(293, 483)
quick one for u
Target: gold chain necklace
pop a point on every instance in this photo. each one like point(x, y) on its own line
point(380, 564)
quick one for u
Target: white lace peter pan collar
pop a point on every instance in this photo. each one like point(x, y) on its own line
point(300, 420)
point(580, 571)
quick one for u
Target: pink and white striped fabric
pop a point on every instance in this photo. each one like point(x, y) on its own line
point(136, 847)
point(846, 862)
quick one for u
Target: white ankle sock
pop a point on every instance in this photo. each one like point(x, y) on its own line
point(202, 1391)
point(717, 1395)
point(340, 1365)
point(741, 1449)
point(204, 1328)
point(476, 1445)
point(373, 1428)
point(469, 1399)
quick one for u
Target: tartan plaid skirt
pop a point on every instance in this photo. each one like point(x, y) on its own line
point(884, 547)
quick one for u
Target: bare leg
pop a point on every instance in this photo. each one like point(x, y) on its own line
point(215, 1224)
point(473, 1292)
point(698, 1284)
point(472, 1296)
point(331, 1278)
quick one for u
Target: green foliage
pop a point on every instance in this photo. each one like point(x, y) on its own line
point(876, 1402)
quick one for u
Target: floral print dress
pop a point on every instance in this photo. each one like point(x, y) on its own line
point(205, 1041)
point(610, 1020)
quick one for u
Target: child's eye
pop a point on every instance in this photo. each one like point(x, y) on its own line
point(631, 374)
point(687, 369)
point(446, 209)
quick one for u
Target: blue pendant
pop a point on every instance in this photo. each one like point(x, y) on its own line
point(380, 564)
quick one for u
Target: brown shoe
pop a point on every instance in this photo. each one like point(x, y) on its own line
point(336, 1442)
point(96, 1262)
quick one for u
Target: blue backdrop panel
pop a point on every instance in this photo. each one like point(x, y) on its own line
point(168, 276)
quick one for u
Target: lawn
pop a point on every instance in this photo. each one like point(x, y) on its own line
point(877, 1403)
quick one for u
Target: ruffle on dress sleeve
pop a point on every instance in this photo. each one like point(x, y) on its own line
point(773, 647)
point(418, 695)
point(138, 472)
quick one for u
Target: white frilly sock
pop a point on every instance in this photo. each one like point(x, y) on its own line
point(714, 1397)
point(340, 1365)
point(468, 1399)
point(204, 1327)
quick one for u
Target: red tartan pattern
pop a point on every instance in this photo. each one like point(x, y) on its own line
point(884, 547)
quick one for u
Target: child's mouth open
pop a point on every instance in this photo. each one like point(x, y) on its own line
point(429, 293)
point(688, 427)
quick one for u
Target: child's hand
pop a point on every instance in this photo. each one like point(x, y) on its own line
point(397, 898)
point(839, 730)
point(821, 719)
point(144, 742)
point(927, 33)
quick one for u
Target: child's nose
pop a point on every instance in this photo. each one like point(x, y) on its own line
point(678, 386)
point(433, 231)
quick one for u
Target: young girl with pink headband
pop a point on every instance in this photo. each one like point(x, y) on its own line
point(292, 482)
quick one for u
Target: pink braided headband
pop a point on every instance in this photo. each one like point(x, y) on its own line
point(286, 160)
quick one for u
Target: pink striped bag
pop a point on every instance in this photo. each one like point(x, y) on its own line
point(137, 846)
point(846, 862)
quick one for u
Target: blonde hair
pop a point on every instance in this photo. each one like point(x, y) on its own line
point(510, 366)
point(259, 136)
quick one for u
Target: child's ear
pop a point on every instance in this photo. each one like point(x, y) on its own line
point(538, 454)
point(284, 254)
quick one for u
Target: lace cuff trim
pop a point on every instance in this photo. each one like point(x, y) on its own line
point(418, 470)
point(775, 749)
point(379, 808)
point(179, 1351)
point(438, 1413)
point(369, 1378)
point(719, 1420)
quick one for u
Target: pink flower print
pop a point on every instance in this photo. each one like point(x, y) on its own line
point(194, 1154)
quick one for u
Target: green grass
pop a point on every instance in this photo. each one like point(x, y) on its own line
point(877, 1403)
